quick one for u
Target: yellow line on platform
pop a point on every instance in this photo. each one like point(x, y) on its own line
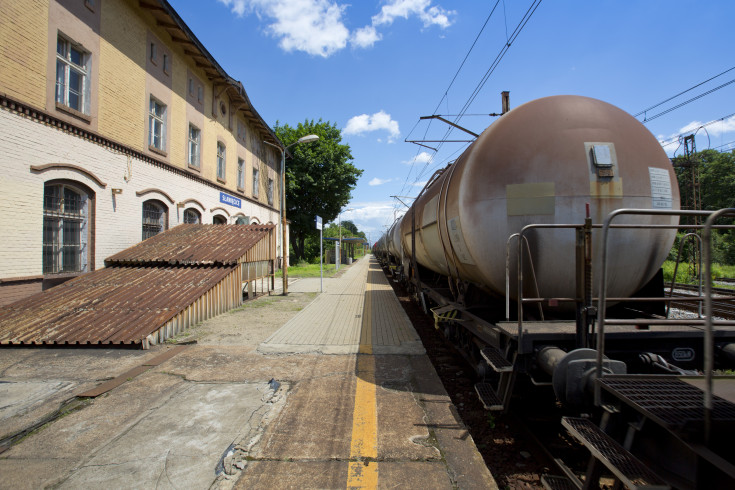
point(364, 472)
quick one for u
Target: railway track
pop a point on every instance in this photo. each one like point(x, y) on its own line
point(723, 300)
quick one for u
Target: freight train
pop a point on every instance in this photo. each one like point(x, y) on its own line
point(539, 250)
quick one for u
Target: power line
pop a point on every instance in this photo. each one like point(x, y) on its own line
point(509, 42)
point(451, 83)
point(687, 101)
point(682, 93)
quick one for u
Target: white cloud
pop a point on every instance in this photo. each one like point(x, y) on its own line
point(317, 27)
point(379, 121)
point(312, 26)
point(429, 14)
point(420, 184)
point(422, 157)
point(365, 37)
point(377, 181)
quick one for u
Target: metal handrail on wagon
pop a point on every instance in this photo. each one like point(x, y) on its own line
point(708, 321)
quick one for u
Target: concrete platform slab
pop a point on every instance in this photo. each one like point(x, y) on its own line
point(180, 443)
point(35, 383)
point(294, 475)
point(315, 424)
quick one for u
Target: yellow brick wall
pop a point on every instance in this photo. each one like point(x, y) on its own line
point(121, 98)
point(122, 75)
point(24, 47)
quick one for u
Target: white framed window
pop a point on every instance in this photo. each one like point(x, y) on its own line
point(154, 53)
point(256, 184)
point(221, 160)
point(157, 126)
point(195, 141)
point(240, 173)
point(65, 229)
point(200, 94)
point(242, 132)
point(155, 218)
point(72, 75)
point(192, 216)
point(166, 67)
point(191, 86)
point(270, 192)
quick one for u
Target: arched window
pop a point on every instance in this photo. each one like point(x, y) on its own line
point(218, 219)
point(155, 218)
point(66, 209)
point(192, 216)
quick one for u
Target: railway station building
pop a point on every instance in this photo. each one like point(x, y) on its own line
point(116, 124)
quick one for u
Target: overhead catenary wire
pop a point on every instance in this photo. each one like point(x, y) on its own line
point(682, 93)
point(689, 101)
point(451, 83)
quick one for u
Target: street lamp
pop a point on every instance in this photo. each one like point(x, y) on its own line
point(339, 226)
point(284, 267)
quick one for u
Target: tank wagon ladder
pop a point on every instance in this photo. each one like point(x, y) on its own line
point(496, 399)
point(492, 398)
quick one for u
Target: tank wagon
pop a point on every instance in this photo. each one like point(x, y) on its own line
point(556, 219)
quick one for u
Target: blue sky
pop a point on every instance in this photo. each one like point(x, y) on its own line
point(373, 67)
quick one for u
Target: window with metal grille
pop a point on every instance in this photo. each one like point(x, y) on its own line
point(64, 229)
point(157, 127)
point(194, 144)
point(221, 159)
point(72, 75)
point(155, 218)
point(192, 216)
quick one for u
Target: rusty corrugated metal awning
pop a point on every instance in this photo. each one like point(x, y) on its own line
point(114, 305)
point(146, 293)
point(194, 245)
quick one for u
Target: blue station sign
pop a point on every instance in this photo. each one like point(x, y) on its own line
point(231, 200)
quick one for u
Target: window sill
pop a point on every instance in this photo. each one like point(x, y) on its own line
point(61, 275)
point(222, 181)
point(241, 189)
point(73, 112)
point(194, 167)
point(157, 151)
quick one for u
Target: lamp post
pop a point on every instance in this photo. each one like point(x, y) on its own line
point(284, 267)
point(339, 226)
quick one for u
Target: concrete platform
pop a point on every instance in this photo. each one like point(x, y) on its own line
point(219, 415)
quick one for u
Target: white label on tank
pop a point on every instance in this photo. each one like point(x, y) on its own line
point(458, 244)
point(660, 188)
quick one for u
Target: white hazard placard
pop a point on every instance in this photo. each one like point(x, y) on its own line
point(660, 188)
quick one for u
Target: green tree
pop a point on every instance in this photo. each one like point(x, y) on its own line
point(716, 177)
point(319, 179)
point(349, 225)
